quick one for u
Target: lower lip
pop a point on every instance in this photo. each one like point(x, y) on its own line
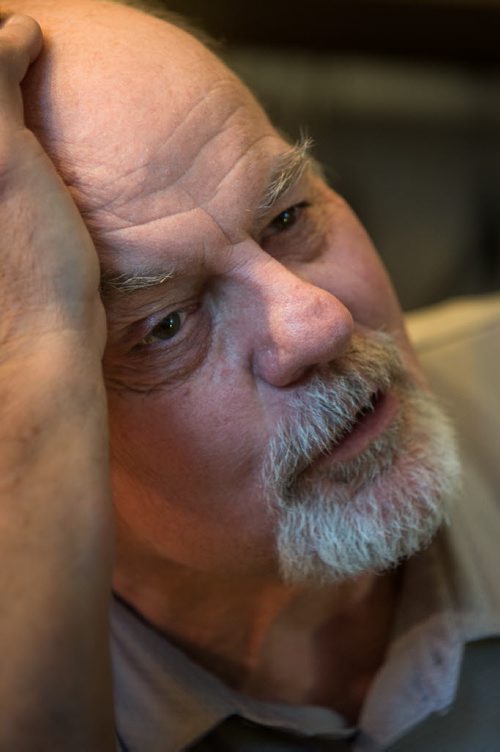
point(368, 428)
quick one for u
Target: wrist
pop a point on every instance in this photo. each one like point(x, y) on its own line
point(50, 381)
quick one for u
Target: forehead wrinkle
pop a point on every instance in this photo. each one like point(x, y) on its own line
point(205, 205)
point(189, 174)
point(106, 177)
point(251, 145)
point(185, 122)
point(287, 172)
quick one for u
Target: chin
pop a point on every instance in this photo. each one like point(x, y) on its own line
point(340, 520)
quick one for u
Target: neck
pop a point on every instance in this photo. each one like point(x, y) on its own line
point(266, 639)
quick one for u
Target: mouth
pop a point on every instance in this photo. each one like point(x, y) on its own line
point(369, 422)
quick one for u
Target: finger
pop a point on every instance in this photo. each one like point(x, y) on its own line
point(20, 45)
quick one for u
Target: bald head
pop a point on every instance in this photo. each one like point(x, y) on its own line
point(98, 59)
point(115, 94)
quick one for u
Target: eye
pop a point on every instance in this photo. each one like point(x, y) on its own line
point(287, 218)
point(166, 329)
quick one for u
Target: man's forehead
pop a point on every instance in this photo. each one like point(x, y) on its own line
point(132, 106)
point(104, 65)
point(283, 173)
point(127, 98)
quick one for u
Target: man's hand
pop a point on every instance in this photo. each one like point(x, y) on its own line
point(55, 510)
point(50, 273)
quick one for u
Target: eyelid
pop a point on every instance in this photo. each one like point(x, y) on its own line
point(153, 321)
point(269, 231)
point(183, 316)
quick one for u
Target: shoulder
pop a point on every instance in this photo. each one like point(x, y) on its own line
point(458, 343)
point(459, 346)
point(460, 322)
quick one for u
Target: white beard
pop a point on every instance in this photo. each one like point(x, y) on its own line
point(378, 509)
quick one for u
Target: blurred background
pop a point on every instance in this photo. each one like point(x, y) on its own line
point(402, 99)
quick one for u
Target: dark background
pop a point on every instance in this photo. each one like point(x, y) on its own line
point(466, 32)
point(403, 102)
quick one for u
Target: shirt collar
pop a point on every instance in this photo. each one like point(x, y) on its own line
point(164, 701)
point(450, 596)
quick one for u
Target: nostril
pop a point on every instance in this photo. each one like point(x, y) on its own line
point(281, 368)
point(296, 345)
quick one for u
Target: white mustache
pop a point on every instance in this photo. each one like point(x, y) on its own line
point(325, 410)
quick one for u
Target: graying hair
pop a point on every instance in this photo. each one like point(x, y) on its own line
point(372, 512)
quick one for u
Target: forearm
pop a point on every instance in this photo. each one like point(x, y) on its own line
point(55, 551)
point(55, 506)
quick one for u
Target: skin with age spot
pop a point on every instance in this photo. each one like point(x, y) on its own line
point(170, 160)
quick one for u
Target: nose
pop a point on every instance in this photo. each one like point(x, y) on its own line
point(304, 326)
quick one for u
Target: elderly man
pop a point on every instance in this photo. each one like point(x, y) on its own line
point(275, 451)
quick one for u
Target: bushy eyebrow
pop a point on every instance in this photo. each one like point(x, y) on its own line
point(287, 172)
point(133, 282)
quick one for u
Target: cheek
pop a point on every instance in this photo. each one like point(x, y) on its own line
point(370, 295)
point(351, 269)
point(186, 483)
point(358, 277)
point(187, 445)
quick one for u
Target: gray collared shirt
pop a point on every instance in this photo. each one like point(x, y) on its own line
point(450, 596)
